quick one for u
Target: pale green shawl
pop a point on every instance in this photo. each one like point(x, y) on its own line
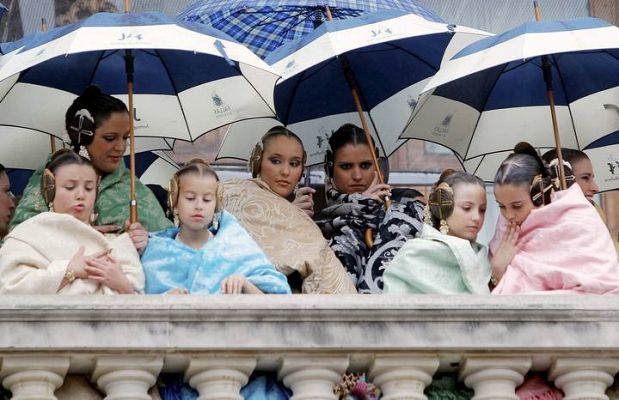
point(437, 263)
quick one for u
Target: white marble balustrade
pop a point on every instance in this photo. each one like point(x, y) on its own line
point(122, 343)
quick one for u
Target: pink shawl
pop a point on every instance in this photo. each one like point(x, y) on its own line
point(564, 246)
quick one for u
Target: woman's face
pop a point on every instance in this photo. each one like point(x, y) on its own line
point(281, 165)
point(197, 199)
point(110, 142)
point(469, 211)
point(514, 202)
point(76, 191)
point(583, 171)
point(353, 168)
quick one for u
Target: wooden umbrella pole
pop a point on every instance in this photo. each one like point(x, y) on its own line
point(133, 203)
point(547, 68)
point(357, 100)
point(52, 142)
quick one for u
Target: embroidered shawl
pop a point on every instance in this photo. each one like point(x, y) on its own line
point(289, 238)
point(348, 216)
point(564, 246)
point(170, 264)
point(35, 256)
point(437, 263)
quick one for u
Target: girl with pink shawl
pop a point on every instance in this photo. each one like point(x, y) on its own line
point(547, 240)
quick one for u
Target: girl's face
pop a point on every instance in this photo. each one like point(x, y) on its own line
point(514, 202)
point(469, 211)
point(353, 169)
point(197, 199)
point(75, 191)
point(281, 165)
point(110, 142)
point(583, 172)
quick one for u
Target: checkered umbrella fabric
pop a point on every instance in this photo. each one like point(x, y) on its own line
point(264, 25)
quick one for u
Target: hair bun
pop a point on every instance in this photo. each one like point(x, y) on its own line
point(444, 175)
point(526, 148)
point(91, 92)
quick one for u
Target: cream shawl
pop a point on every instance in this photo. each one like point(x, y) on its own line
point(35, 256)
point(289, 238)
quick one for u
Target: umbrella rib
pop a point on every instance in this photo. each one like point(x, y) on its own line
point(569, 109)
point(96, 66)
point(468, 147)
point(413, 55)
point(180, 104)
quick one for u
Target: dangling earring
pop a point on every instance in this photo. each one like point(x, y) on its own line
point(444, 228)
point(50, 206)
point(427, 215)
point(215, 222)
point(176, 220)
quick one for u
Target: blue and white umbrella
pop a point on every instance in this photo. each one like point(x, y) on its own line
point(265, 25)
point(493, 93)
point(188, 79)
point(390, 55)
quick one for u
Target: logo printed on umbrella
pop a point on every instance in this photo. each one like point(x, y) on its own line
point(221, 109)
point(130, 37)
point(613, 167)
point(291, 68)
point(443, 130)
point(381, 32)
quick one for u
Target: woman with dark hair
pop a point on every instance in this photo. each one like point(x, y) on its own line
point(547, 240)
point(283, 228)
point(59, 251)
point(364, 235)
point(7, 203)
point(446, 258)
point(98, 126)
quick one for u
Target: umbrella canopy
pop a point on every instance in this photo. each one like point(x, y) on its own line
point(188, 78)
point(493, 93)
point(387, 56)
point(265, 25)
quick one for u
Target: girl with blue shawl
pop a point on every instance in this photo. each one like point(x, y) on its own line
point(208, 253)
point(196, 257)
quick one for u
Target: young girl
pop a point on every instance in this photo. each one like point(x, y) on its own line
point(547, 240)
point(445, 259)
point(209, 252)
point(355, 211)
point(59, 251)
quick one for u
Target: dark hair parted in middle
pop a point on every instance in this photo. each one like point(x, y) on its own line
point(525, 167)
point(88, 112)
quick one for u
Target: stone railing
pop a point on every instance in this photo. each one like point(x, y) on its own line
point(122, 343)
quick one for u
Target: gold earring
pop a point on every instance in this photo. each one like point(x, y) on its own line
point(444, 228)
point(50, 206)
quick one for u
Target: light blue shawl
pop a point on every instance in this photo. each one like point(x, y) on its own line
point(170, 264)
